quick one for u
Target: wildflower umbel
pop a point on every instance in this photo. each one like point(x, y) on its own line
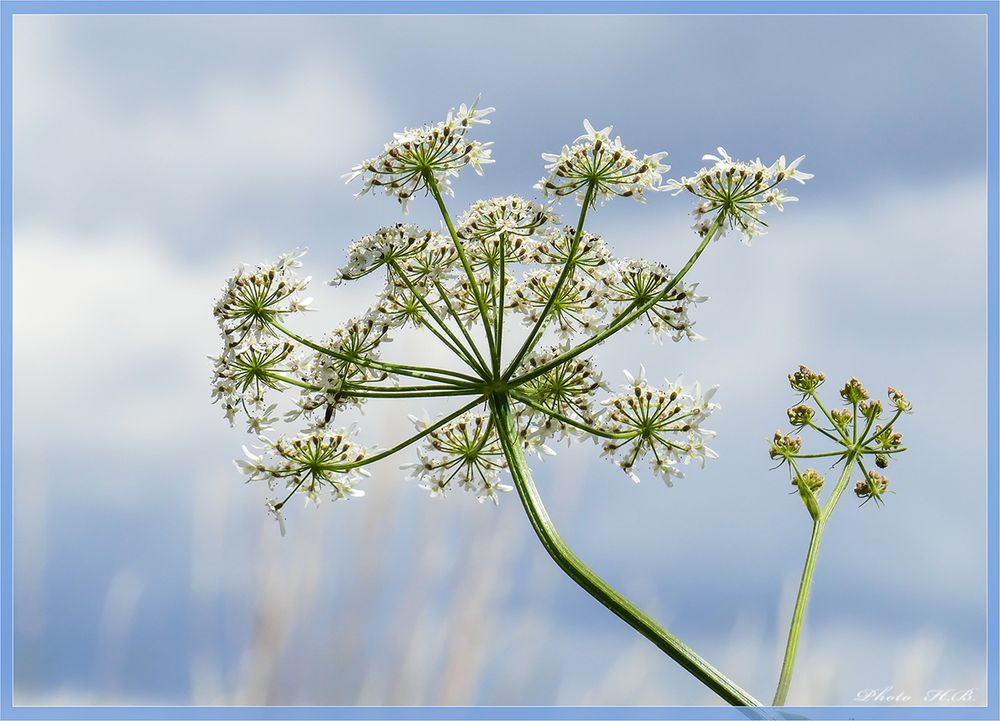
point(861, 431)
point(518, 297)
point(595, 167)
point(506, 258)
point(735, 194)
point(416, 158)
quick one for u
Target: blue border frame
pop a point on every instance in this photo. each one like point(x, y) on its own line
point(989, 8)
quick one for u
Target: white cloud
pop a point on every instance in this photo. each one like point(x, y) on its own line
point(85, 152)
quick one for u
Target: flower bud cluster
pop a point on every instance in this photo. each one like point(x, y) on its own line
point(860, 430)
point(872, 488)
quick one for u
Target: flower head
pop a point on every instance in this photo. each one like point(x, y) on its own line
point(310, 463)
point(638, 282)
point(662, 423)
point(254, 299)
point(602, 167)
point(734, 194)
point(464, 453)
point(434, 153)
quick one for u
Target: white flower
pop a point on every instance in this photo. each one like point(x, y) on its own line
point(274, 508)
point(432, 153)
point(662, 423)
point(734, 193)
point(253, 300)
point(594, 161)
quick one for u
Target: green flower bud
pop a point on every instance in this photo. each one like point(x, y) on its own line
point(811, 480)
point(784, 446)
point(809, 484)
point(805, 380)
point(842, 417)
point(873, 487)
point(853, 391)
point(900, 401)
point(800, 415)
point(870, 409)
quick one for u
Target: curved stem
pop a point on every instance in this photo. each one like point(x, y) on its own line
point(590, 581)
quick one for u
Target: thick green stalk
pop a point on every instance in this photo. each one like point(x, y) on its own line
point(590, 581)
point(805, 584)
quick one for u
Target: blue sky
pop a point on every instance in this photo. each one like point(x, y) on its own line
point(154, 154)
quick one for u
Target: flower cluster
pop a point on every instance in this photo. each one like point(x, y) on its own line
point(652, 285)
point(253, 303)
point(734, 194)
point(421, 158)
point(506, 262)
point(860, 430)
point(599, 168)
point(662, 424)
point(466, 453)
point(308, 463)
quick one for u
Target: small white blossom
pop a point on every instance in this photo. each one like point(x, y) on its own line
point(734, 194)
point(594, 161)
point(432, 152)
point(662, 423)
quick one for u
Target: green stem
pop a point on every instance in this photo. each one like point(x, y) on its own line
point(805, 584)
point(461, 326)
point(566, 419)
point(432, 184)
point(623, 320)
point(458, 349)
point(798, 615)
point(499, 297)
point(412, 439)
point(567, 270)
point(438, 391)
point(422, 372)
point(590, 581)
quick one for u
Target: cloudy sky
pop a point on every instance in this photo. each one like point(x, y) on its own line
point(154, 154)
